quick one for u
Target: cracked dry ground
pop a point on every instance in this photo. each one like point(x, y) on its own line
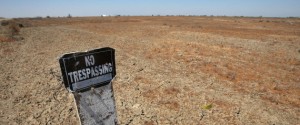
point(168, 69)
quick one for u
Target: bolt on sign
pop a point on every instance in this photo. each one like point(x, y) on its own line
point(88, 75)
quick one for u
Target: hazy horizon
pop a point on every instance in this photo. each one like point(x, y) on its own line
point(55, 8)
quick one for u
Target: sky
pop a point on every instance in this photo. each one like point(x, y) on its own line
point(54, 8)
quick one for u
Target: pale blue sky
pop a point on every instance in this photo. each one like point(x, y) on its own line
point(33, 8)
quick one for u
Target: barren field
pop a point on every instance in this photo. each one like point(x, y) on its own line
point(170, 70)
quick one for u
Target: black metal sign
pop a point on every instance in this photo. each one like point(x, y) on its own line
point(82, 70)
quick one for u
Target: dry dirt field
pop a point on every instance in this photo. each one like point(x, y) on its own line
point(170, 70)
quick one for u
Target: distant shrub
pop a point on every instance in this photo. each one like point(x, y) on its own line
point(10, 31)
point(14, 27)
point(4, 23)
point(48, 17)
point(36, 18)
point(291, 17)
point(69, 16)
point(21, 25)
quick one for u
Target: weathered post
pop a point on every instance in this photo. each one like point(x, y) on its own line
point(88, 75)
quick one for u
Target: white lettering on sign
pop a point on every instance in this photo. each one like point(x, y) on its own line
point(91, 72)
point(89, 60)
